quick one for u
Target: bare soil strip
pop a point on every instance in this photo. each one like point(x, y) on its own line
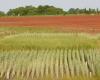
point(77, 23)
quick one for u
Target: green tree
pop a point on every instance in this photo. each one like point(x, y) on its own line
point(2, 13)
point(30, 10)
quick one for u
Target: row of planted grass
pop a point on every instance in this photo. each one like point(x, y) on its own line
point(6, 31)
point(53, 63)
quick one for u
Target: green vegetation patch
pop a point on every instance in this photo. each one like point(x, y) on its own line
point(49, 40)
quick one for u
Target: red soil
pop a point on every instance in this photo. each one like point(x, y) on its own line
point(84, 23)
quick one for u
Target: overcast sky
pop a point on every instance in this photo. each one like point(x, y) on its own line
point(5, 5)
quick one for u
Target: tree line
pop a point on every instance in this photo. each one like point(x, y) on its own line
point(47, 10)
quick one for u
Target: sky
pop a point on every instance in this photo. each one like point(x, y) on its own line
point(5, 5)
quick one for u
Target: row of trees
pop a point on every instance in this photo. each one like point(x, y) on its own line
point(46, 10)
point(40, 10)
point(83, 11)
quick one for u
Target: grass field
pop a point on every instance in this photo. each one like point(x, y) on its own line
point(48, 54)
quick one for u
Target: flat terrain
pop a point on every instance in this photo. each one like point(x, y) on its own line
point(77, 23)
point(49, 48)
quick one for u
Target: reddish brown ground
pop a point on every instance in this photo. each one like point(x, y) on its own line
point(78, 23)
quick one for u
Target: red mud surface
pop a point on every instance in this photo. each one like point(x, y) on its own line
point(80, 23)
